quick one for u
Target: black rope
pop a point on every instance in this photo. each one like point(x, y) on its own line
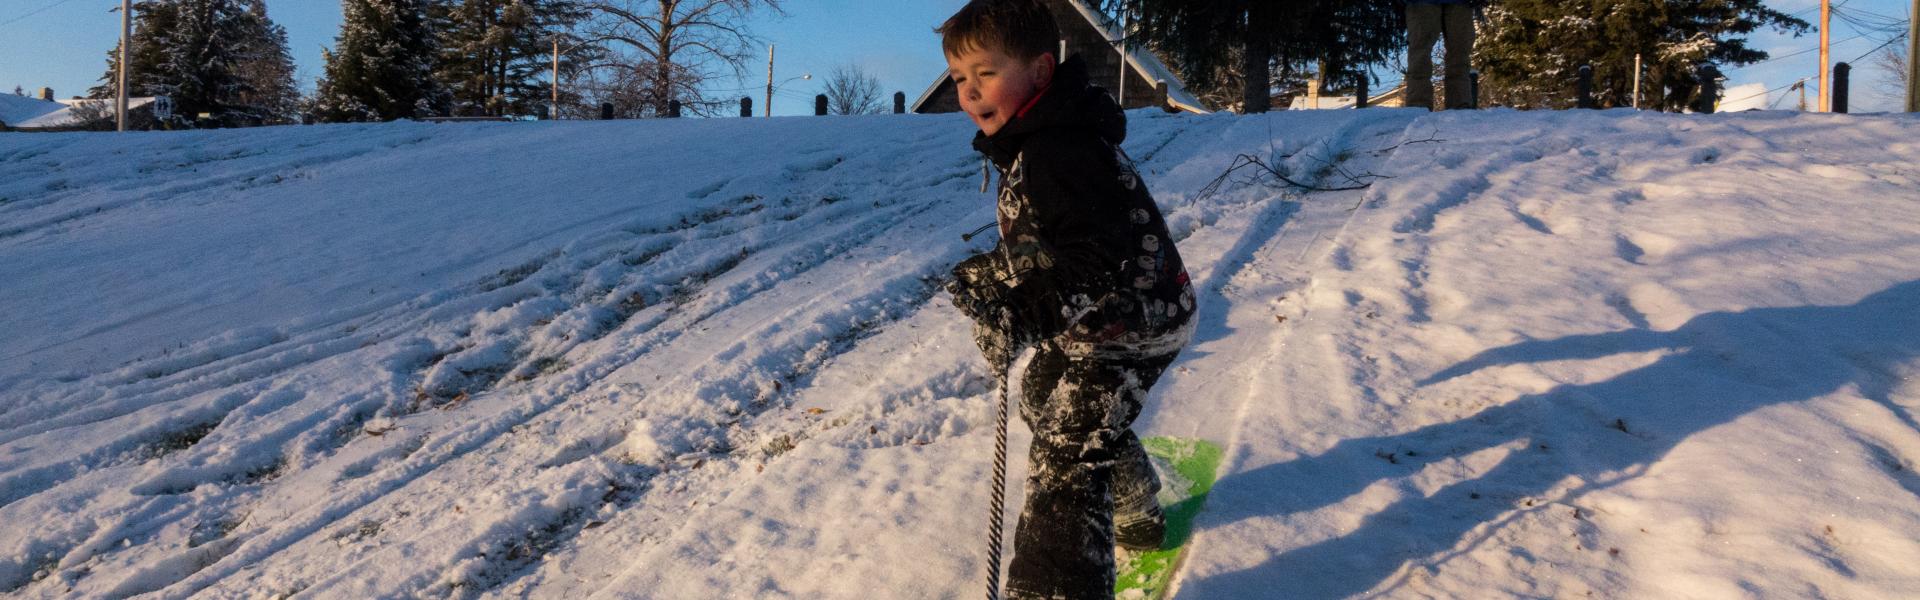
point(968, 237)
point(999, 485)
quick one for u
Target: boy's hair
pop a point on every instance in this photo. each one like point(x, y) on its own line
point(1023, 29)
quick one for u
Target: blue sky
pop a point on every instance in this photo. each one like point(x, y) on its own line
point(63, 44)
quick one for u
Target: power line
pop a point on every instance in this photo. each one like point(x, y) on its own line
point(1787, 56)
point(33, 12)
point(1877, 48)
point(1864, 21)
point(1761, 94)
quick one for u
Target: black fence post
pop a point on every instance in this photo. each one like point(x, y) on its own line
point(606, 111)
point(1708, 96)
point(899, 103)
point(1583, 95)
point(746, 106)
point(1473, 97)
point(1840, 76)
point(1360, 93)
point(820, 105)
point(673, 109)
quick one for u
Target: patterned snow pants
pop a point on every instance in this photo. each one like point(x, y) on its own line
point(1085, 468)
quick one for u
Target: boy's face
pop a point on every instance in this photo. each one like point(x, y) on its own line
point(994, 86)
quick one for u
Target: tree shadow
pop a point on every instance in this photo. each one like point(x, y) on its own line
point(1712, 370)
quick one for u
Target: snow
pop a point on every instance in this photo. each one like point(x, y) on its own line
point(21, 112)
point(1545, 354)
point(15, 109)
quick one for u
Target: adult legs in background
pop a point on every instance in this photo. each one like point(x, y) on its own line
point(1423, 28)
point(1457, 25)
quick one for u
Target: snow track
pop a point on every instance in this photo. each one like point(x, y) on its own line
point(710, 358)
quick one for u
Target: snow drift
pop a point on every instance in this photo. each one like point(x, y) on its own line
point(1537, 354)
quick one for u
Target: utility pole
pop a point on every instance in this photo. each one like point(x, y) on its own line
point(556, 79)
point(1826, 19)
point(1636, 81)
point(120, 95)
point(1123, 59)
point(1913, 57)
point(769, 107)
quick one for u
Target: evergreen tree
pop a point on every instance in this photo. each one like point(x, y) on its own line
point(152, 19)
point(1334, 39)
point(1531, 51)
point(1337, 41)
point(381, 66)
point(223, 58)
point(272, 96)
point(201, 62)
point(496, 54)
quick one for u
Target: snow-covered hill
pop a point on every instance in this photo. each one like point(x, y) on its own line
point(1543, 355)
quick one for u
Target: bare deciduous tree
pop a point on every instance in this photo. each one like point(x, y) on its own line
point(674, 46)
point(852, 91)
point(1892, 62)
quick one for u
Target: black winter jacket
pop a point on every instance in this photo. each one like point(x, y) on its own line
point(1082, 244)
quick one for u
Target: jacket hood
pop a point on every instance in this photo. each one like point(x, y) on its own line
point(1070, 102)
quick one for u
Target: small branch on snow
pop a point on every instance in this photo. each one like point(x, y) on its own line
point(1263, 170)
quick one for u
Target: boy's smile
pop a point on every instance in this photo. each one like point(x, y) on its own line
point(994, 87)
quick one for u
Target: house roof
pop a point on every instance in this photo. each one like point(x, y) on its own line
point(15, 109)
point(1144, 64)
point(20, 112)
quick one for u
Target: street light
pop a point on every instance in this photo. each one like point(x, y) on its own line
point(555, 107)
point(771, 85)
point(771, 88)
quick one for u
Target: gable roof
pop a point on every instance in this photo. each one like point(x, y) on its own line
point(1143, 63)
point(15, 109)
point(21, 112)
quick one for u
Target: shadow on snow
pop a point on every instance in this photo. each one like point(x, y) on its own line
point(1715, 369)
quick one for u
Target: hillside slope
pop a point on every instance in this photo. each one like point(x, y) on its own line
point(1541, 354)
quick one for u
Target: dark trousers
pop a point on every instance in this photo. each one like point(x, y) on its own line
point(1426, 23)
point(1084, 463)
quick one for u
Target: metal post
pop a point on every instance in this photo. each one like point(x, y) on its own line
point(1636, 81)
point(126, 39)
point(1838, 99)
point(1360, 93)
point(1826, 19)
point(899, 103)
point(606, 111)
point(1913, 57)
point(673, 108)
point(746, 106)
point(769, 109)
point(820, 105)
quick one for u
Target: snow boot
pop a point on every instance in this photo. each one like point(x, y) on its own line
point(1144, 528)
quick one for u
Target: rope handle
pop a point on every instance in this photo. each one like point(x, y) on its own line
point(999, 484)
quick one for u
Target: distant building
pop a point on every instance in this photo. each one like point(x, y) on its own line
point(1092, 36)
point(1393, 98)
point(25, 113)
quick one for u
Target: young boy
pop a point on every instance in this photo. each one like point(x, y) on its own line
point(1086, 274)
